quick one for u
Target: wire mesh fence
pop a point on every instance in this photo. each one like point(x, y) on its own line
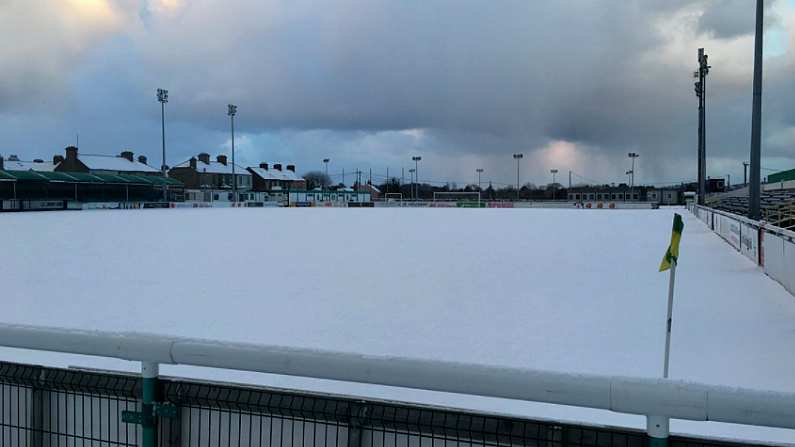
point(56, 407)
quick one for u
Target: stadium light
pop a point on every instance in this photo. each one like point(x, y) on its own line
point(325, 162)
point(553, 171)
point(632, 156)
point(417, 175)
point(162, 97)
point(232, 111)
point(754, 193)
point(701, 93)
point(479, 171)
point(411, 177)
point(517, 157)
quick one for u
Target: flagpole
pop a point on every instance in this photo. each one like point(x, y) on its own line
point(671, 280)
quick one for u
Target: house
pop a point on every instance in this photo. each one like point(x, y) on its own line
point(209, 180)
point(271, 177)
point(124, 163)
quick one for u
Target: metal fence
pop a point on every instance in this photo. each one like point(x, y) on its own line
point(56, 407)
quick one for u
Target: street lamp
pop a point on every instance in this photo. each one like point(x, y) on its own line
point(162, 97)
point(553, 171)
point(517, 157)
point(232, 111)
point(632, 156)
point(417, 174)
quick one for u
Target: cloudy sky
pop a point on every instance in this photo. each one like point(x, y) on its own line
point(573, 85)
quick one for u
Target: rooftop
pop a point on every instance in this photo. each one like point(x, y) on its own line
point(114, 163)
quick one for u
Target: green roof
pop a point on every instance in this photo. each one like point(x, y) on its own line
point(58, 177)
point(26, 175)
point(6, 177)
point(112, 178)
point(138, 179)
point(83, 177)
point(782, 176)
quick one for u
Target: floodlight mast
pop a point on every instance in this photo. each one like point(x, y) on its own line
point(632, 156)
point(162, 97)
point(553, 171)
point(417, 175)
point(517, 157)
point(232, 111)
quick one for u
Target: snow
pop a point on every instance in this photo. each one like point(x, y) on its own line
point(273, 174)
point(554, 289)
point(114, 163)
point(215, 167)
point(18, 165)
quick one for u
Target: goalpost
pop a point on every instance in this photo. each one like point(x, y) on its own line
point(461, 198)
point(394, 197)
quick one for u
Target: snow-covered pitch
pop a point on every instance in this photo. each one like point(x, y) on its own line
point(563, 290)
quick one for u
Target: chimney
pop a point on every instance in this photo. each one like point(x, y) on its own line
point(127, 154)
point(264, 166)
point(192, 163)
point(221, 159)
point(204, 158)
point(291, 168)
point(142, 159)
point(277, 166)
point(71, 153)
point(57, 159)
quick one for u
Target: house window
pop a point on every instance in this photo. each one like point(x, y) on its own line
point(215, 196)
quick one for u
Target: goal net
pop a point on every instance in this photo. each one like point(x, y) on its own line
point(393, 197)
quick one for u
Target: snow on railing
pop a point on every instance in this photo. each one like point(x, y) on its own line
point(657, 399)
point(770, 247)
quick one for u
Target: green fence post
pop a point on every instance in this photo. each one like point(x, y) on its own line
point(149, 373)
point(657, 430)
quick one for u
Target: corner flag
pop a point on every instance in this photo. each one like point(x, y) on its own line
point(672, 254)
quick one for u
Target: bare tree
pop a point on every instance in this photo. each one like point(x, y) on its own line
point(316, 179)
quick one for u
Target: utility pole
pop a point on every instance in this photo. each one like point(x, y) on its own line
point(745, 173)
point(701, 93)
point(756, 118)
point(517, 157)
point(232, 111)
point(162, 97)
point(569, 179)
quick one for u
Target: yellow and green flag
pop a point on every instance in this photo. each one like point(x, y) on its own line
point(672, 254)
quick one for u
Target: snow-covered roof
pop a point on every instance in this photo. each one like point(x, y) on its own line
point(273, 174)
point(214, 167)
point(114, 163)
point(16, 165)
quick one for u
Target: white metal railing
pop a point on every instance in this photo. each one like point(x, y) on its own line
point(658, 399)
point(770, 247)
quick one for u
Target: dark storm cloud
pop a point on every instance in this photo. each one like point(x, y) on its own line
point(479, 78)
